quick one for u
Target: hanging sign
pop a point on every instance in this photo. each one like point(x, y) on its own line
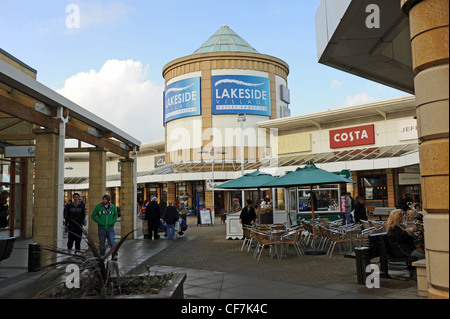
point(20, 151)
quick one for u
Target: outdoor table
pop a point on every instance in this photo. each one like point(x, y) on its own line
point(278, 237)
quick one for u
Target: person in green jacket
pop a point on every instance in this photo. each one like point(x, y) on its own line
point(105, 215)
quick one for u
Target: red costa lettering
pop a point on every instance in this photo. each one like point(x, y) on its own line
point(354, 136)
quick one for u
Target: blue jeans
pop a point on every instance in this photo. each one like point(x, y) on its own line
point(103, 235)
point(170, 231)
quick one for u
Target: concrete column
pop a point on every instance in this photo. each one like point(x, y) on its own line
point(127, 200)
point(97, 186)
point(171, 196)
point(390, 187)
point(429, 26)
point(45, 192)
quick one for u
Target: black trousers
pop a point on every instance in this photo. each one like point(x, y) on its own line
point(74, 237)
point(153, 228)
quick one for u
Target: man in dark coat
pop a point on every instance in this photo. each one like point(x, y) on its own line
point(170, 218)
point(248, 215)
point(75, 219)
point(153, 215)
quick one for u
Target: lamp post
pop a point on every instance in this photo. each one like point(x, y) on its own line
point(212, 175)
point(241, 119)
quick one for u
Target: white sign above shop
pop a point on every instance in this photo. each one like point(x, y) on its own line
point(407, 130)
point(408, 179)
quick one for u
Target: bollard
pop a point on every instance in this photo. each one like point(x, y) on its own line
point(362, 261)
point(34, 257)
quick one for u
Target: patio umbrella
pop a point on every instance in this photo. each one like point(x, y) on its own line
point(247, 181)
point(309, 175)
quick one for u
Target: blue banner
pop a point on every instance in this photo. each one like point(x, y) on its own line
point(233, 94)
point(182, 99)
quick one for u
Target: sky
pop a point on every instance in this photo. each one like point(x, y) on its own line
point(108, 55)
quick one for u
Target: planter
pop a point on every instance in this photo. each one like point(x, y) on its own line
point(174, 290)
point(266, 216)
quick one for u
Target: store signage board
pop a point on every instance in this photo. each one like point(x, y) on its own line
point(182, 99)
point(233, 94)
point(407, 130)
point(294, 143)
point(408, 179)
point(20, 151)
point(353, 136)
point(205, 216)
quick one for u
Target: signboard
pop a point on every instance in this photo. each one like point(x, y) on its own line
point(160, 161)
point(285, 94)
point(182, 99)
point(407, 130)
point(294, 143)
point(408, 179)
point(233, 94)
point(354, 136)
point(204, 217)
point(20, 151)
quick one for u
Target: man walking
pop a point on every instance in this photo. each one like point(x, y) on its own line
point(75, 219)
point(105, 215)
point(153, 215)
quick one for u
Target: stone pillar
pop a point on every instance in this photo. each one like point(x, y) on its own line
point(45, 192)
point(97, 186)
point(171, 196)
point(429, 26)
point(127, 200)
point(390, 187)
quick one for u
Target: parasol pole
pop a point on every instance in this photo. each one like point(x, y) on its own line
point(314, 251)
point(259, 211)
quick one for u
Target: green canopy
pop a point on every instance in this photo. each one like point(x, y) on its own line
point(309, 175)
point(250, 180)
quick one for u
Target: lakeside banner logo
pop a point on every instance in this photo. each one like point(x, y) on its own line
point(233, 94)
point(182, 99)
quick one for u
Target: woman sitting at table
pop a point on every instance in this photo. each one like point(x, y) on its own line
point(401, 239)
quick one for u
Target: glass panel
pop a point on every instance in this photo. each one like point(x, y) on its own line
point(17, 206)
point(5, 172)
point(5, 212)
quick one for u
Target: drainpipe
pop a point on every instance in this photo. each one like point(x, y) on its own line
point(60, 199)
point(135, 221)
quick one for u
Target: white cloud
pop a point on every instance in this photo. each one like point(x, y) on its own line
point(360, 98)
point(119, 94)
point(335, 84)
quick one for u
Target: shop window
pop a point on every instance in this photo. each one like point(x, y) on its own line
point(374, 189)
point(12, 190)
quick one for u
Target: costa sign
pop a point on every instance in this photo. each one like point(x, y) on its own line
point(354, 136)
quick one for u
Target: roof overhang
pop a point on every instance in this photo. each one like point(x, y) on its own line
point(382, 54)
point(90, 123)
point(378, 108)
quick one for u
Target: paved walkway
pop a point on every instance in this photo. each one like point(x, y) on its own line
point(216, 268)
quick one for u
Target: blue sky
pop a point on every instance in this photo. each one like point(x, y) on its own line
point(149, 34)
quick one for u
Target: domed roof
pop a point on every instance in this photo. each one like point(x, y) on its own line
point(225, 40)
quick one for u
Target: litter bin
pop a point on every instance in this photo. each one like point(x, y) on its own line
point(362, 261)
point(34, 257)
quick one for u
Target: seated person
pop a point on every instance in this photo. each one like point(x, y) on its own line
point(400, 239)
